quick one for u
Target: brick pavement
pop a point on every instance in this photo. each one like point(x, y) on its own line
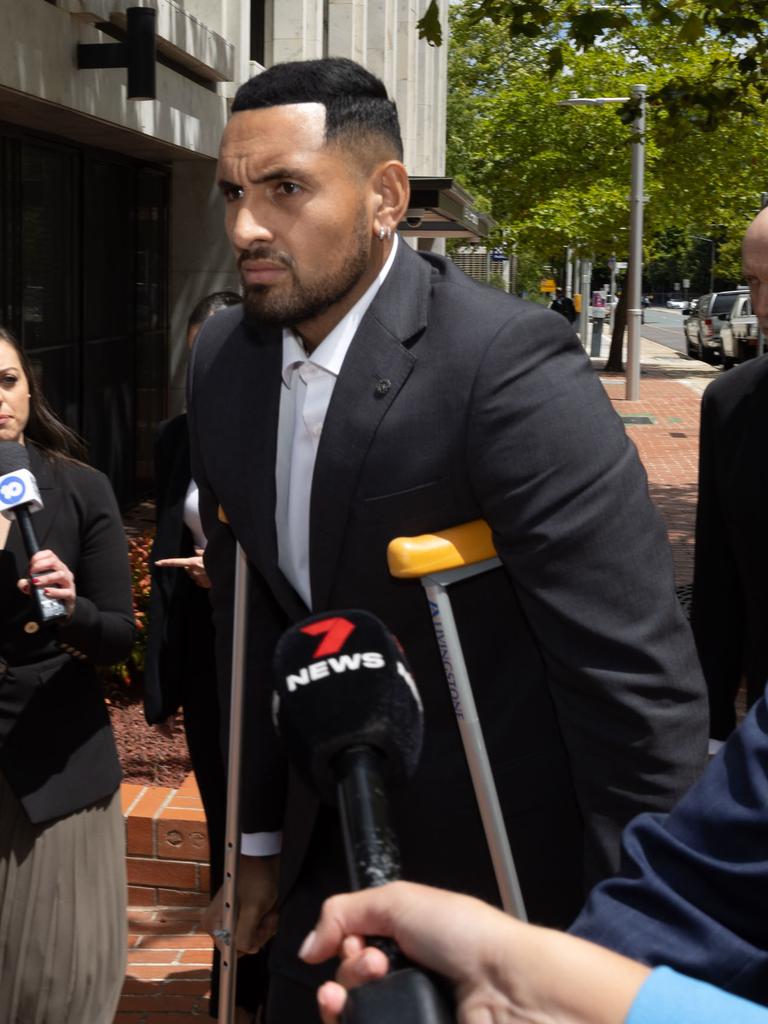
point(169, 958)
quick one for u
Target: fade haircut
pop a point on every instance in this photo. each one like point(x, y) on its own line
point(357, 108)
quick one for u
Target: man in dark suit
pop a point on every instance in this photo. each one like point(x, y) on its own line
point(730, 586)
point(369, 392)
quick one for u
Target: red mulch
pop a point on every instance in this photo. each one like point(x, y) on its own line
point(151, 755)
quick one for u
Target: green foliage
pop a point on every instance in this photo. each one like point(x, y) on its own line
point(131, 671)
point(732, 34)
point(555, 176)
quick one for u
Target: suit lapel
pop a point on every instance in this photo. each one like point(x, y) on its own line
point(242, 448)
point(374, 372)
point(49, 493)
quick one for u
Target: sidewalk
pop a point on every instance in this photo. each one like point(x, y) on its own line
point(169, 958)
point(664, 425)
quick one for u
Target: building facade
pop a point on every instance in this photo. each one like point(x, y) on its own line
point(110, 225)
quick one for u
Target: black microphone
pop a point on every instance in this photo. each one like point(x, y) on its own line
point(19, 498)
point(350, 714)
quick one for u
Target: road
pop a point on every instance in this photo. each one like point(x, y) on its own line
point(665, 326)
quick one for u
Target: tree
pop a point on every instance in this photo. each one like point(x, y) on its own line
point(732, 33)
point(555, 176)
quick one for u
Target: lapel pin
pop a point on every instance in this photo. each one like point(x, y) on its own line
point(382, 387)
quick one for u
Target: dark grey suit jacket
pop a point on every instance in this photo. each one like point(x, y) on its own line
point(584, 669)
point(56, 745)
point(729, 613)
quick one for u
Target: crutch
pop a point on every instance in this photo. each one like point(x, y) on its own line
point(226, 934)
point(438, 560)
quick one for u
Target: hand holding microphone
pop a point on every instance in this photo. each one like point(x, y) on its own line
point(54, 591)
point(348, 709)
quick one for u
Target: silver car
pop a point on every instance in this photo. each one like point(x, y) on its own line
point(704, 321)
point(739, 335)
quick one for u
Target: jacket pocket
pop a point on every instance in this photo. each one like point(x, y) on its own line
point(412, 503)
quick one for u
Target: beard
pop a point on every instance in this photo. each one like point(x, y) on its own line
point(304, 300)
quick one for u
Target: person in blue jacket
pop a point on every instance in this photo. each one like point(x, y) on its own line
point(692, 890)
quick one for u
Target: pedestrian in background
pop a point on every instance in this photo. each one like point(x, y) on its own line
point(564, 305)
point(729, 611)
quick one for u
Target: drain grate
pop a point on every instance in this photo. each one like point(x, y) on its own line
point(635, 420)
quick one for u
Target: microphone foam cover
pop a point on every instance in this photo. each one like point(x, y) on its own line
point(342, 680)
point(13, 457)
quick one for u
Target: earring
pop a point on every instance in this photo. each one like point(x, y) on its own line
point(385, 233)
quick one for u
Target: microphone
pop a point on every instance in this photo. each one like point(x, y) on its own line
point(19, 498)
point(349, 712)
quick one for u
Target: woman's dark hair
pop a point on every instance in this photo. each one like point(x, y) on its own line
point(212, 304)
point(356, 102)
point(44, 427)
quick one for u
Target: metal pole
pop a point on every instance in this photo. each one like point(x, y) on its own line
point(635, 282)
point(226, 937)
point(475, 751)
point(568, 273)
point(712, 267)
point(586, 280)
point(612, 310)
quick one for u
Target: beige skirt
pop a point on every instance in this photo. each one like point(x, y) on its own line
point(63, 928)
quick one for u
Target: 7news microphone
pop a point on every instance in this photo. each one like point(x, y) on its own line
point(19, 498)
point(351, 717)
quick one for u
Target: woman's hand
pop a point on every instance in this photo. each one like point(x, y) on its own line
point(500, 969)
point(193, 565)
point(53, 577)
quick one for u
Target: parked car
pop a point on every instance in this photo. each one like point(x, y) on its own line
point(677, 303)
point(703, 323)
point(738, 337)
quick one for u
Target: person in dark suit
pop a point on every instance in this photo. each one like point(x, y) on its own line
point(180, 670)
point(729, 612)
point(563, 305)
point(63, 925)
point(365, 392)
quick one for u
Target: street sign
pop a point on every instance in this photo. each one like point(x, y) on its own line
point(547, 284)
point(686, 282)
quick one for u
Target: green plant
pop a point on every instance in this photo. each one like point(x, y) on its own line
point(131, 671)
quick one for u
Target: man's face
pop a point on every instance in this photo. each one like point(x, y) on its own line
point(298, 214)
point(755, 265)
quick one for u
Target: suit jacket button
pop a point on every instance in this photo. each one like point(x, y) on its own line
point(31, 627)
point(383, 386)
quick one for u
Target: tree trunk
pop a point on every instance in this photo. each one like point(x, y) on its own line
point(615, 364)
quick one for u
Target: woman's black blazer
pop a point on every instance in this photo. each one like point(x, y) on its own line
point(57, 750)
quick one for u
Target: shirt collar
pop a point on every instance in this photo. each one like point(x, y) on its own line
point(330, 353)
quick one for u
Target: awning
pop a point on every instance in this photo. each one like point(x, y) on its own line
point(441, 208)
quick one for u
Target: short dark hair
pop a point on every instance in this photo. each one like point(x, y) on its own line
point(212, 304)
point(356, 102)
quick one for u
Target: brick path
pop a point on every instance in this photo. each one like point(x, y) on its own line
point(670, 396)
point(169, 958)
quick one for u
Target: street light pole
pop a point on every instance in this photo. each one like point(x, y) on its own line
point(635, 297)
point(703, 238)
point(636, 199)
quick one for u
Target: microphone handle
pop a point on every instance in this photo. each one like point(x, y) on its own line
point(49, 609)
point(409, 996)
point(406, 995)
point(370, 845)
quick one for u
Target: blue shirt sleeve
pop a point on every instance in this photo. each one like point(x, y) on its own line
point(670, 998)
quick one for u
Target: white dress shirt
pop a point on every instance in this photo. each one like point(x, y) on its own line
point(308, 383)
